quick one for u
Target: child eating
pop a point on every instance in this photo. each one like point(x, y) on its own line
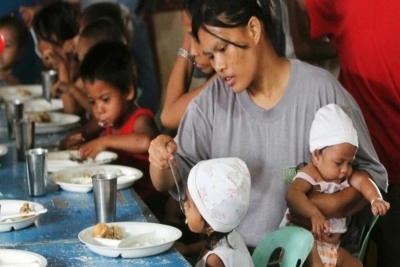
point(218, 194)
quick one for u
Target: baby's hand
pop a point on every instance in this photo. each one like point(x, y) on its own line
point(379, 206)
point(319, 226)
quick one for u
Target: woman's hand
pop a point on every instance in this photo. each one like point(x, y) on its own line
point(161, 149)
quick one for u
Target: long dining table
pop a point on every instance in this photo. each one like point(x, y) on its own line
point(54, 234)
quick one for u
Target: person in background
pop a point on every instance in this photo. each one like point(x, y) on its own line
point(259, 108)
point(110, 83)
point(15, 37)
point(190, 55)
point(148, 83)
point(364, 35)
point(54, 24)
point(215, 207)
point(102, 29)
point(25, 75)
point(333, 145)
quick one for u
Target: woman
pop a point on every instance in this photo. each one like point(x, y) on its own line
point(260, 109)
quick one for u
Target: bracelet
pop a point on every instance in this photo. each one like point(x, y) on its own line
point(185, 54)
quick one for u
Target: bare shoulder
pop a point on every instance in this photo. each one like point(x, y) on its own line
point(214, 261)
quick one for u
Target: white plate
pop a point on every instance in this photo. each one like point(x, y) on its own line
point(79, 179)
point(3, 150)
point(14, 92)
point(11, 257)
point(61, 160)
point(59, 122)
point(41, 104)
point(13, 206)
point(164, 238)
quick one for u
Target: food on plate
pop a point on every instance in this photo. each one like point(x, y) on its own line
point(110, 232)
point(25, 209)
point(24, 92)
point(40, 117)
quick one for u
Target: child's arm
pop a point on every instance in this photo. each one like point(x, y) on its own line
point(370, 191)
point(213, 260)
point(136, 142)
point(299, 203)
point(77, 94)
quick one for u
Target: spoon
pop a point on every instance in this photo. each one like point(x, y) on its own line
point(127, 242)
point(13, 215)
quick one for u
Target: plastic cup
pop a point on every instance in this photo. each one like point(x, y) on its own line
point(36, 171)
point(14, 111)
point(49, 78)
point(24, 136)
point(105, 196)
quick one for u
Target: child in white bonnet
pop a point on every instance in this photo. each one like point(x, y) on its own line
point(333, 144)
point(218, 194)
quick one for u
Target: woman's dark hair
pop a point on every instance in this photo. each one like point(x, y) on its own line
point(18, 27)
point(110, 62)
point(191, 5)
point(56, 22)
point(232, 14)
point(108, 10)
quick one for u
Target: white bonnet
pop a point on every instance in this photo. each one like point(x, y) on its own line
point(331, 126)
point(220, 189)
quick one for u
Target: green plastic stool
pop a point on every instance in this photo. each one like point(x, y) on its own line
point(295, 241)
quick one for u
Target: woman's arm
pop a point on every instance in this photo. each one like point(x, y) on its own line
point(341, 204)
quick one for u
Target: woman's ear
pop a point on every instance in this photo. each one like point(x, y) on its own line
point(254, 27)
point(131, 93)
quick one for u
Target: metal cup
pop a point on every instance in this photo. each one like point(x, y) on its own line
point(105, 196)
point(36, 171)
point(14, 111)
point(24, 136)
point(49, 78)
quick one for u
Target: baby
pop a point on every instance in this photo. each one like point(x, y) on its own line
point(218, 194)
point(333, 144)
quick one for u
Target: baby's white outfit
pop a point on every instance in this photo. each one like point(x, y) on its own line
point(327, 251)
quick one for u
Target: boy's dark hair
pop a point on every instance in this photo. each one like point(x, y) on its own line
point(19, 29)
point(103, 29)
point(108, 10)
point(57, 18)
point(110, 62)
